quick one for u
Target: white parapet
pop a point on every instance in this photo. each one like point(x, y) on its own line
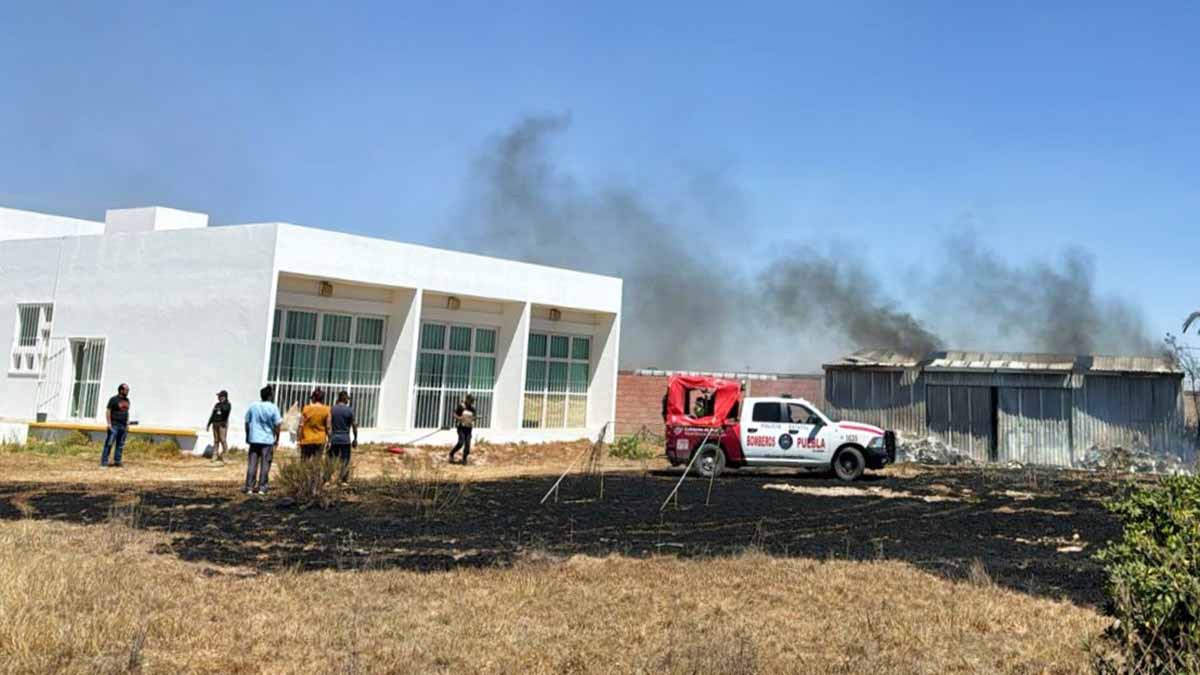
point(151, 218)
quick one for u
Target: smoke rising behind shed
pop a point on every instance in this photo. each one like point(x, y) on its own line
point(690, 305)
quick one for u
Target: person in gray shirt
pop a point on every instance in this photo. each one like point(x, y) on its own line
point(345, 434)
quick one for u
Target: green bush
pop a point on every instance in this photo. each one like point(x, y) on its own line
point(310, 483)
point(641, 445)
point(167, 448)
point(1153, 580)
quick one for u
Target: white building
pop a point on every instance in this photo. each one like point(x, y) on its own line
point(179, 310)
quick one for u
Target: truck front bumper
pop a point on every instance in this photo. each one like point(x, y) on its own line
point(880, 456)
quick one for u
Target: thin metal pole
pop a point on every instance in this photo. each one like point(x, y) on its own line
point(554, 488)
point(591, 451)
point(695, 455)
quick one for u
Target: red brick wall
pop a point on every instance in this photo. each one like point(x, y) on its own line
point(639, 397)
point(639, 403)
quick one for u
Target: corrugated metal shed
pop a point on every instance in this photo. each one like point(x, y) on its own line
point(1000, 361)
point(1013, 406)
point(876, 358)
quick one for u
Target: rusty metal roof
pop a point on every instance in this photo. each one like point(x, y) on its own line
point(1009, 361)
point(877, 358)
point(1133, 364)
point(1001, 361)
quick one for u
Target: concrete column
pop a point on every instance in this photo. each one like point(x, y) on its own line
point(602, 390)
point(400, 360)
point(511, 349)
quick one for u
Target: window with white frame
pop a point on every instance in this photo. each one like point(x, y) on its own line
point(87, 361)
point(32, 339)
point(556, 381)
point(454, 360)
point(330, 350)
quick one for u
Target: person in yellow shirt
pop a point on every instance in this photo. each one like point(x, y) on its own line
point(315, 427)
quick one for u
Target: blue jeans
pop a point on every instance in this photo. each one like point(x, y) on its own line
point(116, 434)
point(258, 465)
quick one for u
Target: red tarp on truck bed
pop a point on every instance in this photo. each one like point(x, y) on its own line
point(727, 393)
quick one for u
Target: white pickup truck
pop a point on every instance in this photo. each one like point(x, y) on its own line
point(730, 431)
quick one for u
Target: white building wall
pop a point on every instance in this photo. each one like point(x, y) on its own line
point(18, 224)
point(602, 391)
point(187, 312)
point(183, 314)
point(320, 253)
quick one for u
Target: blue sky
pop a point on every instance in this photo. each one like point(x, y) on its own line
point(883, 125)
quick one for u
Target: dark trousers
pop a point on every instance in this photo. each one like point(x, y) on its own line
point(258, 465)
point(116, 436)
point(341, 453)
point(464, 443)
point(311, 451)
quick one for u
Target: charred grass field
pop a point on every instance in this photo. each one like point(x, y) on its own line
point(422, 567)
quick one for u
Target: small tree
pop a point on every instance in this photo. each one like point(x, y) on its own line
point(1188, 360)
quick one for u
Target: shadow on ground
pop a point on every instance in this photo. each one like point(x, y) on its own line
point(1024, 528)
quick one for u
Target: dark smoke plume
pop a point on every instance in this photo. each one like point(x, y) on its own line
point(1036, 307)
point(844, 299)
point(690, 305)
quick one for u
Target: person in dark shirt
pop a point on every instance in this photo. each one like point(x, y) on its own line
point(116, 413)
point(464, 421)
point(218, 422)
point(341, 441)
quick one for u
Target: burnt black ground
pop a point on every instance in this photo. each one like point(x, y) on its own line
point(500, 521)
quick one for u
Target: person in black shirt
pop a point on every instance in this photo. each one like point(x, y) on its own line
point(218, 422)
point(117, 416)
point(464, 421)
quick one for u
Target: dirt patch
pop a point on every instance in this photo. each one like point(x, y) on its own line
point(848, 491)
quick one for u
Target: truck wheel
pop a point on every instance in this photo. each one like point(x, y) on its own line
point(710, 462)
point(848, 465)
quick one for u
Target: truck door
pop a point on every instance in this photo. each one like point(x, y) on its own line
point(762, 426)
point(808, 431)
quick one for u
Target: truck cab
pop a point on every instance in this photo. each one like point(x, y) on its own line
point(711, 417)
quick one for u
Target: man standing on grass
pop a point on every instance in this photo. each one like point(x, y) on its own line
point(340, 441)
point(263, 422)
point(116, 413)
point(218, 421)
point(314, 427)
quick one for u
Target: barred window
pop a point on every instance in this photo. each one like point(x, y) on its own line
point(330, 350)
point(32, 339)
point(453, 361)
point(556, 381)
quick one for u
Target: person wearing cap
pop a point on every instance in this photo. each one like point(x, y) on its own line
point(218, 422)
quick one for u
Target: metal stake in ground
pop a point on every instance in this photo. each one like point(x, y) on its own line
point(588, 450)
point(686, 469)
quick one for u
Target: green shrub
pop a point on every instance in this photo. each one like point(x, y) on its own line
point(308, 483)
point(73, 443)
point(1153, 580)
point(641, 445)
point(136, 446)
point(76, 439)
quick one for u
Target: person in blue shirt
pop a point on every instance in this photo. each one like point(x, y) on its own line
point(263, 422)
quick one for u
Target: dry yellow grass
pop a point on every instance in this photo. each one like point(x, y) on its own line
point(487, 462)
point(76, 599)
